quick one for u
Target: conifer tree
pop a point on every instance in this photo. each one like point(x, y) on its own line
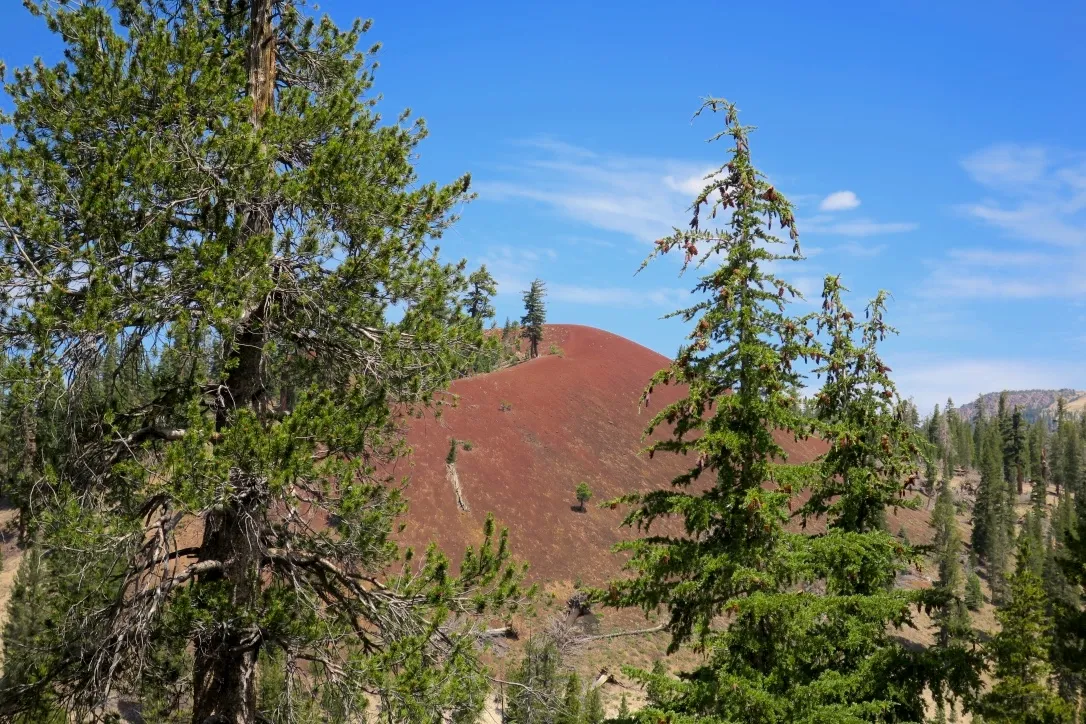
point(537, 696)
point(481, 291)
point(1020, 454)
point(787, 654)
point(989, 493)
point(1038, 442)
point(593, 707)
point(209, 183)
point(952, 617)
point(739, 373)
point(980, 423)
point(570, 712)
point(1065, 588)
point(1020, 653)
point(1003, 420)
point(1058, 443)
point(28, 609)
point(535, 316)
point(974, 594)
point(623, 709)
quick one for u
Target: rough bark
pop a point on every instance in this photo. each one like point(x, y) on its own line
point(224, 680)
point(225, 667)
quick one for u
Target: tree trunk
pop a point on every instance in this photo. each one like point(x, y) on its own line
point(224, 672)
point(30, 452)
point(225, 667)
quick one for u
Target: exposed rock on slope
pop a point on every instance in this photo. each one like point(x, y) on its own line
point(1033, 403)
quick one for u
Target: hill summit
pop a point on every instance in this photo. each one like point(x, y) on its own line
point(528, 435)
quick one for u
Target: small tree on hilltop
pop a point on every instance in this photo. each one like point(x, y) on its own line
point(481, 290)
point(535, 316)
point(583, 493)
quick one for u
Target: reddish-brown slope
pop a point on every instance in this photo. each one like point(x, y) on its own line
point(536, 430)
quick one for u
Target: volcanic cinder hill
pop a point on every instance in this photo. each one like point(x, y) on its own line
point(535, 431)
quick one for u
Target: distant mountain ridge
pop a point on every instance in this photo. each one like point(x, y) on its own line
point(1033, 403)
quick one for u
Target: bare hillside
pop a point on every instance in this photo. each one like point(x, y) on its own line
point(535, 431)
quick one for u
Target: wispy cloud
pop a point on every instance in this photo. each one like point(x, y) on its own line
point(641, 197)
point(839, 201)
point(1043, 190)
point(1037, 195)
point(857, 227)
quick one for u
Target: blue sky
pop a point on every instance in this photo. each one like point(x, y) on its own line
point(933, 149)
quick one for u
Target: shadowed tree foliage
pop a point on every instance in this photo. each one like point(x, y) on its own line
point(207, 185)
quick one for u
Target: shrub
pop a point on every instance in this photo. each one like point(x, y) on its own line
point(451, 457)
point(583, 493)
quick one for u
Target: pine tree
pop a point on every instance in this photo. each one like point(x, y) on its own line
point(537, 696)
point(974, 594)
point(214, 185)
point(1020, 454)
point(738, 373)
point(570, 711)
point(593, 707)
point(623, 709)
point(1071, 458)
point(989, 492)
point(535, 316)
point(952, 616)
point(1038, 442)
point(1020, 652)
point(481, 291)
point(787, 654)
point(28, 612)
point(980, 423)
point(1065, 588)
point(583, 494)
point(1058, 443)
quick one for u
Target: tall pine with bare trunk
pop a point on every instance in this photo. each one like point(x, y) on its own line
point(208, 183)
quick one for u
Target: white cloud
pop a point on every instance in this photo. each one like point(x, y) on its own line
point(931, 381)
point(839, 201)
